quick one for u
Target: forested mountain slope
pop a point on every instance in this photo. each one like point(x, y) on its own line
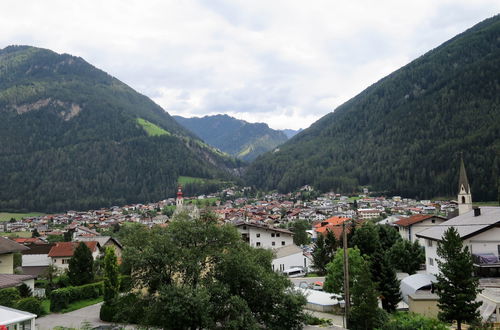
point(236, 137)
point(404, 134)
point(72, 136)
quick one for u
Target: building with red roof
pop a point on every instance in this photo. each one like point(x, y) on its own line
point(62, 252)
point(409, 227)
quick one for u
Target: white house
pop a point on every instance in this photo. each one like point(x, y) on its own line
point(409, 227)
point(290, 256)
point(479, 229)
point(263, 236)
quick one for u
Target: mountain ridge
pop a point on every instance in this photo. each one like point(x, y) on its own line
point(404, 133)
point(236, 137)
point(72, 138)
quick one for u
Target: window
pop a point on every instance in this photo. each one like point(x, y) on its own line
point(272, 234)
point(433, 220)
point(282, 242)
point(277, 234)
point(257, 244)
point(463, 200)
point(429, 243)
point(273, 243)
point(65, 261)
point(258, 235)
point(431, 262)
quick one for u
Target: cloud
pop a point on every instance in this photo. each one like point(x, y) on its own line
point(283, 62)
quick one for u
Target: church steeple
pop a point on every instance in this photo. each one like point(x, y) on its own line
point(179, 200)
point(464, 193)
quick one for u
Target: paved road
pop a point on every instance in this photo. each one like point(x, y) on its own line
point(73, 319)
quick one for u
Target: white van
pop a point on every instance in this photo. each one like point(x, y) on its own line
point(294, 272)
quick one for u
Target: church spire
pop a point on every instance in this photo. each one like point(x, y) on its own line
point(464, 193)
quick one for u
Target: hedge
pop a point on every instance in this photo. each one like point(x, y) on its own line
point(61, 298)
point(9, 296)
point(30, 305)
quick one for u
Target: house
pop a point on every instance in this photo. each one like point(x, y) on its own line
point(409, 227)
point(333, 224)
point(105, 241)
point(15, 319)
point(62, 252)
point(479, 229)
point(7, 277)
point(290, 256)
point(36, 260)
point(264, 236)
point(368, 213)
point(7, 250)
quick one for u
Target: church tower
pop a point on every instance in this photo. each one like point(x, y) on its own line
point(179, 200)
point(464, 195)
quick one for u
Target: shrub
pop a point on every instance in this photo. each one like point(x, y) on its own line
point(24, 291)
point(30, 305)
point(107, 312)
point(9, 296)
point(410, 321)
point(61, 298)
point(125, 283)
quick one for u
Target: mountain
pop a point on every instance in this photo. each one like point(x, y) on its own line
point(74, 137)
point(290, 133)
point(236, 137)
point(404, 134)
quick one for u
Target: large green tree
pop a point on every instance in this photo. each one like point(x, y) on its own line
point(407, 256)
point(81, 266)
point(206, 269)
point(366, 239)
point(456, 285)
point(334, 281)
point(300, 236)
point(111, 278)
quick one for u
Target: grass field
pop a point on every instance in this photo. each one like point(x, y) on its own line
point(493, 203)
point(20, 234)
point(151, 129)
point(5, 216)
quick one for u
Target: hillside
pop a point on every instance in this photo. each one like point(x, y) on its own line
point(236, 137)
point(75, 137)
point(404, 134)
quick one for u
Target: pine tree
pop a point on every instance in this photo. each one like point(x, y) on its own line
point(365, 313)
point(320, 255)
point(457, 288)
point(81, 266)
point(111, 279)
point(387, 282)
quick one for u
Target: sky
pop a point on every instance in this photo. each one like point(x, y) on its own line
point(286, 63)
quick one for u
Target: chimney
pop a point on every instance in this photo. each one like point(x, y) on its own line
point(477, 211)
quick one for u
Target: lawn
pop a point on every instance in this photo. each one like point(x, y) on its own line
point(5, 216)
point(73, 306)
point(493, 203)
point(151, 129)
point(21, 234)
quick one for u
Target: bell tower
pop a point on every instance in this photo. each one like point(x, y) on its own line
point(179, 200)
point(464, 194)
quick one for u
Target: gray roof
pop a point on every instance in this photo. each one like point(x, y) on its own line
point(466, 224)
point(101, 239)
point(287, 251)
point(462, 180)
point(11, 280)
point(411, 284)
point(8, 246)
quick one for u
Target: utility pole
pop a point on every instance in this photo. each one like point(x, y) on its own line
point(347, 299)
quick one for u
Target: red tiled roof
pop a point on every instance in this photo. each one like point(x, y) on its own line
point(332, 221)
point(405, 222)
point(66, 249)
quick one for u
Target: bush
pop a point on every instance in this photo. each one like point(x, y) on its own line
point(61, 298)
point(125, 283)
point(410, 321)
point(9, 296)
point(24, 291)
point(129, 309)
point(30, 305)
point(107, 312)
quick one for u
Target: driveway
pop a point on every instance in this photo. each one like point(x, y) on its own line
point(73, 319)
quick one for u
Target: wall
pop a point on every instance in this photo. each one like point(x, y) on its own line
point(297, 259)
point(7, 263)
point(266, 239)
point(426, 307)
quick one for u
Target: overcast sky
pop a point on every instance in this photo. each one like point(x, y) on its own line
point(286, 63)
